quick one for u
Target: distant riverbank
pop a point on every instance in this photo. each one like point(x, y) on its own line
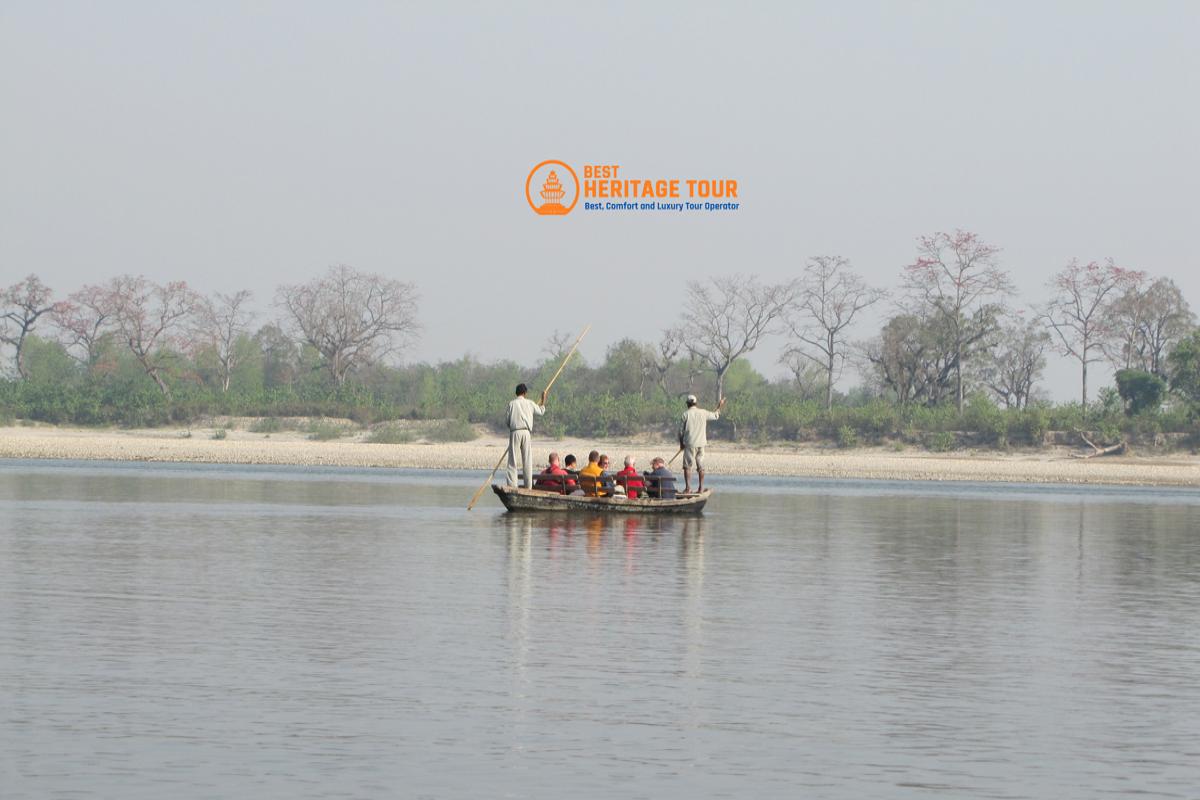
point(243, 447)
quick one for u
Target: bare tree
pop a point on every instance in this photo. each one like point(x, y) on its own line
point(1078, 312)
point(557, 344)
point(351, 318)
point(21, 306)
point(84, 320)
point(221, 320)
point(831, 295)
point(658, 360)
point(1018, 363)
point(1151, 319)
point(627, 366)
point(808, 378)
point(728, 319)
point(153, 322)
point(1123, 324)
point(956, 276)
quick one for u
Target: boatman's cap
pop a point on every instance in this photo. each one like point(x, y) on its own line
point(691, 398)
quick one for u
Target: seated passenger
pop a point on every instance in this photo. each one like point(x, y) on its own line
point(548, 484)
point(569, 463)
point(607, 481)
point(660, 482)
point(589, 476)
point(630, 477)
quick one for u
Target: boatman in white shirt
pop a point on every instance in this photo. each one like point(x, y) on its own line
point(693, 438)
point(521, 411)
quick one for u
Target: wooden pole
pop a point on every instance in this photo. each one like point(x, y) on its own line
point(563, 365)
point(545, 392)
point(479, 491)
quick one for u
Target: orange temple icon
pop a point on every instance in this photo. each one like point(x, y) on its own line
point(553, 193)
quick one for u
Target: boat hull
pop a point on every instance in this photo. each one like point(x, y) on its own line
point(535, 500)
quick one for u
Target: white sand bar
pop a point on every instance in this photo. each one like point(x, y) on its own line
point(197, 445)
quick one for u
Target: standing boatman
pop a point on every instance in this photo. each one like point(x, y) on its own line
point(521, 411)
point(693, 438)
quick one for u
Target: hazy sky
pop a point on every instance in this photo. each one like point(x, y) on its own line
point(241, 145)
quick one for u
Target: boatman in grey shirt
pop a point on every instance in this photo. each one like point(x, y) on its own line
point(693, 438)
point(521, 411)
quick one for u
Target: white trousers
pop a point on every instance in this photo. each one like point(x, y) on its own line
point(520, 442)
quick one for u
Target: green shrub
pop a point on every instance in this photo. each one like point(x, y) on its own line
point(1184, 366)
point(325, 431)
point(551, 430)
point(874, 420)
point(391, 434)
point(941, 442)
point(1146, 425)
point(989, 423)
point(847, 437)
point(794, 419)
point(1067, 417)
point(1108, 431)
point(451, 430)
point(1141, 390)
point(1176, 419)
point(1108, 403)
point(267, 425)
point(1031, 425)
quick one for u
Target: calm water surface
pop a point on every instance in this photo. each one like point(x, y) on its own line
point(193, 631)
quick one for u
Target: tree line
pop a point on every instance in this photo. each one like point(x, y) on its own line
point(133, 351)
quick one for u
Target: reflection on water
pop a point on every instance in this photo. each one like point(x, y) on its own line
point(559, 531)
point(216, 632)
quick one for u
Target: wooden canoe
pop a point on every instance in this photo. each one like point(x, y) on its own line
point(537, 500)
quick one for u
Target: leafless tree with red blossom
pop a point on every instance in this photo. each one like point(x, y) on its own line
point(153, 321)
point(957, 278)
point(84, 320)
point(21, 306)
point(1080, 315)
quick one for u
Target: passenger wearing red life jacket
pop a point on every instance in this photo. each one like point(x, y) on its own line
point(556, 484)
point(630, 477)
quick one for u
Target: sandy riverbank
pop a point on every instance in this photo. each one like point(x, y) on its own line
point(242, 447)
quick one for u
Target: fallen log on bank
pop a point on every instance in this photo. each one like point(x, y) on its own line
point(1097, 450)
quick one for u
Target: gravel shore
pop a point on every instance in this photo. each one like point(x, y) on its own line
point(240, 447)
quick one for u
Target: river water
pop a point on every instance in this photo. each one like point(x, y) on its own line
point(202, 631)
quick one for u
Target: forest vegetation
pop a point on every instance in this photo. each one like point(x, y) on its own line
point(955, 363)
